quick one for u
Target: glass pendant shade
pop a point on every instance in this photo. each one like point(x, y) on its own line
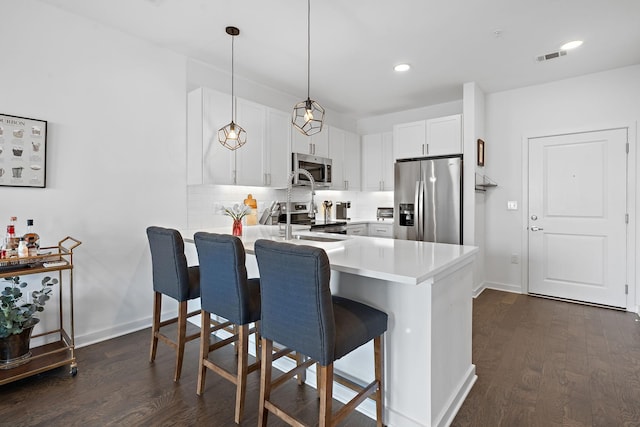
point(232, 136)
point(308, 117)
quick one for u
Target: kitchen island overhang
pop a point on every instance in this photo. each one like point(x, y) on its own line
point(426, 289)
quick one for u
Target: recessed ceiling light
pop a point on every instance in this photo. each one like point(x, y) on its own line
point(402, 67)
point(571, 45)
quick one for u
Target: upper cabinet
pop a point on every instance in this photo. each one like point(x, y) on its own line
point(263, 161)
point(249, 167)
point(344, 151)
point(352, 161)
point(409, 140)
point(317, 144)
point(444, 135)
point(276, 156)
point(433, 137)
point(377, 162)
point(208, 162)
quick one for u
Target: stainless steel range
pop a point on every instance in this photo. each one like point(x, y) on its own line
point(300, 215)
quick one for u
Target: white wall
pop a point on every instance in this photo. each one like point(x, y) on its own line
point(473, 229)
point(116, 108)
point(593, 101)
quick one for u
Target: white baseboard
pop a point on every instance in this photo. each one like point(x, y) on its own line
point(506, 287)
point(112, 332)
point(454, 405)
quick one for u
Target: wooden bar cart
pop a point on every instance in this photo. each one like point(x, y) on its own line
point(60, 351)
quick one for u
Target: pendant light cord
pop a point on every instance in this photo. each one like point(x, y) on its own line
point(308, 49)
point(233, 116)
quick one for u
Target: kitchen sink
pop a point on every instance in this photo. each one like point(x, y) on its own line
point(317, 238)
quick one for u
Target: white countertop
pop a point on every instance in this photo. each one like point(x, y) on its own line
point(403, 261)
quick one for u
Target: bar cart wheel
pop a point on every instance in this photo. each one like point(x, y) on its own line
point(73, 371)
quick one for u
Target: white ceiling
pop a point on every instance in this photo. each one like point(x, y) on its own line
point(355, 43)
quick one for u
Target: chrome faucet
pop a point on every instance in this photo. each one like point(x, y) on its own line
point(312, 208)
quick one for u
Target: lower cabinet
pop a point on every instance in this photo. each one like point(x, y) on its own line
point(357, 229)
point(380, 230)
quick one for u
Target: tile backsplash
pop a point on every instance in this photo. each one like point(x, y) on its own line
point(205, 202)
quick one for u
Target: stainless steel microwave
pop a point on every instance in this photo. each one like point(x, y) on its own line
point(318, 167)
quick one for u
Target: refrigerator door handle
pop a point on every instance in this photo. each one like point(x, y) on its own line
point(417, 210)
point(422, 218)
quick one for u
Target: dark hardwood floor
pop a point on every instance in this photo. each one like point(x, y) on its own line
point(539, 363)
point(542, 362)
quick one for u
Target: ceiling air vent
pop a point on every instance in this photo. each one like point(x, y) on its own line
point(552, 55)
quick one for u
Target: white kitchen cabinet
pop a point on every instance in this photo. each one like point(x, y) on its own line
point(337, 139)
point(409, 140)
point(344, 151)
point(317, 144)
point(277, 160)
point(444, 135)
point(352, 159)
point(377, 162)
point(263, 161)
point(249, 167)
point(433, 137)
point(357, 229)
point(208, 162)
point(379, 229)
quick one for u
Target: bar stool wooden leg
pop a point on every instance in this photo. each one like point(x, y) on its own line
point(155, 327)
point(257, 338)
point(326, 393)
point(302, 376)
point(265, 381)
point(182, 334)
point(241, 379)
point(205, 338)
point(379, 363)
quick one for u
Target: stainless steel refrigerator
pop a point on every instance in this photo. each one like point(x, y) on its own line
point(428, 199)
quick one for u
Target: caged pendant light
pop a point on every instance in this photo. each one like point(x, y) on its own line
point(232, 135)
point(308, 115)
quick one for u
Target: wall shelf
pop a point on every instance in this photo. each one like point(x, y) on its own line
point(483, 182)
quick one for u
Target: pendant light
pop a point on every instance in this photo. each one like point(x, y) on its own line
point(232, 135)
point(308, 115)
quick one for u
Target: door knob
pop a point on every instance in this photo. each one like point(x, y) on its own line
point(534, 217)
point(534, 228)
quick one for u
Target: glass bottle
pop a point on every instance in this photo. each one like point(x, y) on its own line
point(11, 241)
point(23, 251)
point(32, 238)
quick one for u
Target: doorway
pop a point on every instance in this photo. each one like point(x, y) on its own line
point(578, 217)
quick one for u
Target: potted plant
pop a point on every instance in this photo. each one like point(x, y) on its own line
point(17, 319)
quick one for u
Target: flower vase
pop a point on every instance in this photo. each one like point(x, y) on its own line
point(237, 227)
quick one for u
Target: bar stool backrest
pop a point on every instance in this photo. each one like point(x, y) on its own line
point(169, 264)
point(297, 309)
point(223, 277)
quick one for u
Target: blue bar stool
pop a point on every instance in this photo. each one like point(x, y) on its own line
point(225, 291)
point(299, 312)
point(171, 277)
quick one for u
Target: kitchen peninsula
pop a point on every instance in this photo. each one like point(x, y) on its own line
point(426, 290)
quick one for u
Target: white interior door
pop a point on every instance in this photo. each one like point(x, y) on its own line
point(577, 216)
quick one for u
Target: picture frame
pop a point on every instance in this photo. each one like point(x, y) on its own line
point(23, 152)
point(480, 151)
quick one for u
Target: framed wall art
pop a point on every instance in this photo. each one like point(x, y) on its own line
point(23, 152)
point(480, 152)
